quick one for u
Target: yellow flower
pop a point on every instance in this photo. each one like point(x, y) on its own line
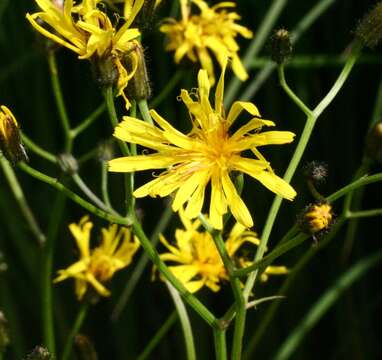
point(10, 141)
point(199, 259)
point(98, 265)
point(208, 154)
point(88, 32)
point(317, 217)
point(212, 31)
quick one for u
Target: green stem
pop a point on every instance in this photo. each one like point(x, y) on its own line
point(364, 213)
point(141, 265)
point(167, 89)
point(32, 146)
point(104, 184)
point(144, 110)
point(93, 197)
point(204, 313)
point(73, 196)
point(149, 348)
point(296, 158)
point(60, 100)
point(220, 344)
point(74, 331)
point(185, 322)
point(21, 200)
point(240, 302)
point(290, 92)
point(88, 121)
point(257, 43)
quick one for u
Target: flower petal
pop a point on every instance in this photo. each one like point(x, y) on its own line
point(275, 184)
point(141, 162)
point(238, 107)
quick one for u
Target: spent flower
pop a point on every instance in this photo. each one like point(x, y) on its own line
point(213, 30)
point(95, 267)
point(209, 153)
point(88, 31)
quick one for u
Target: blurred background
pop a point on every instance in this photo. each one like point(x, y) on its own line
point(349, 330)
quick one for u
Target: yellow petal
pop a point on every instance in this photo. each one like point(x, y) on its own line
point(238, 68)
point(186, 190)
point(195, 204)
point(219, 94)
point(275, 184)
point(238, 107)
point(140, 162)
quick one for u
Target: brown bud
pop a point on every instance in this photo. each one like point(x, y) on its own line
point(281, 46)
point(369, 29)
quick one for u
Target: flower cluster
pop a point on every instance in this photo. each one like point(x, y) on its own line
point(87, 30)
point(209, 153)
point(98, 265)
point(212, 30)
point(198, 260)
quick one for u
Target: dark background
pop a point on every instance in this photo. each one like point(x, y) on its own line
point(348, 331)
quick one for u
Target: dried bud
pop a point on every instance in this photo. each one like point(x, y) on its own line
point(316, 171)
point(374, 143)
point(68, 164)
point(10, 141)
point(281, 46)
point(39, 353)
point(316, 218)
point(369, 29)
point(146, 14)
point(4, 332)
point(85, 348)
point(139, 85)
point(106, 151)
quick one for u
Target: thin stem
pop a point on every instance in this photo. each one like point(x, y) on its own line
point(167, 89)
point(204, 313)
point(364, 213)
point(104, 184)
point(296, 158)
point(141, 265)
point(109, 100)
point(74, 331)
point(144, 110)
point(238, 295)
point(220, 344)
point(167, 325)
point(185, 322)
point(257, 43)
point(73, 196)
point(21, 200)
point(88, 121)
point(32, 146)
point(89, 193)
point(59, 100)
point(290, 92)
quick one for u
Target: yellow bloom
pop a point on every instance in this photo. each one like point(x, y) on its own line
point(212, 31)
point(208, 154)
point(98, 265)
point(88, 32)
point(10, 141)
point(199, 259)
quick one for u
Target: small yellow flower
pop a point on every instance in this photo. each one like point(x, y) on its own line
point(213, 30)
point(208, 154)
point(88, 32)
point(10, 141)
point(98, 265)
point(199, 261)
point(317, 217)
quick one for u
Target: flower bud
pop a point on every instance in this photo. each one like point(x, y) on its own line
point(139, 85)
point(316, 218)
point(105, 71)
point(84, 348)
point(4, 332)
point(281, 46)
point(369, 29)
point(10, 140)
point(39, 353)
point(316, 171)
point(68, 164)
point(373, 147)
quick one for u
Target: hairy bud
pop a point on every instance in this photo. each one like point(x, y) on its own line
point(281, 46)
point(369, 29)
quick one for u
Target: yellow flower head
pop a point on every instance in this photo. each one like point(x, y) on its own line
point(197, 259)
point(209, 153)
point(213, 30)
point(88, 31)
point(317, 217)
point(98, 265)
point(10, 141)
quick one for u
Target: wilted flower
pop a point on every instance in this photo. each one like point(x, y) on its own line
point(209, 153)
point(98, 265)
point(88, 31)
point(213, 30)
